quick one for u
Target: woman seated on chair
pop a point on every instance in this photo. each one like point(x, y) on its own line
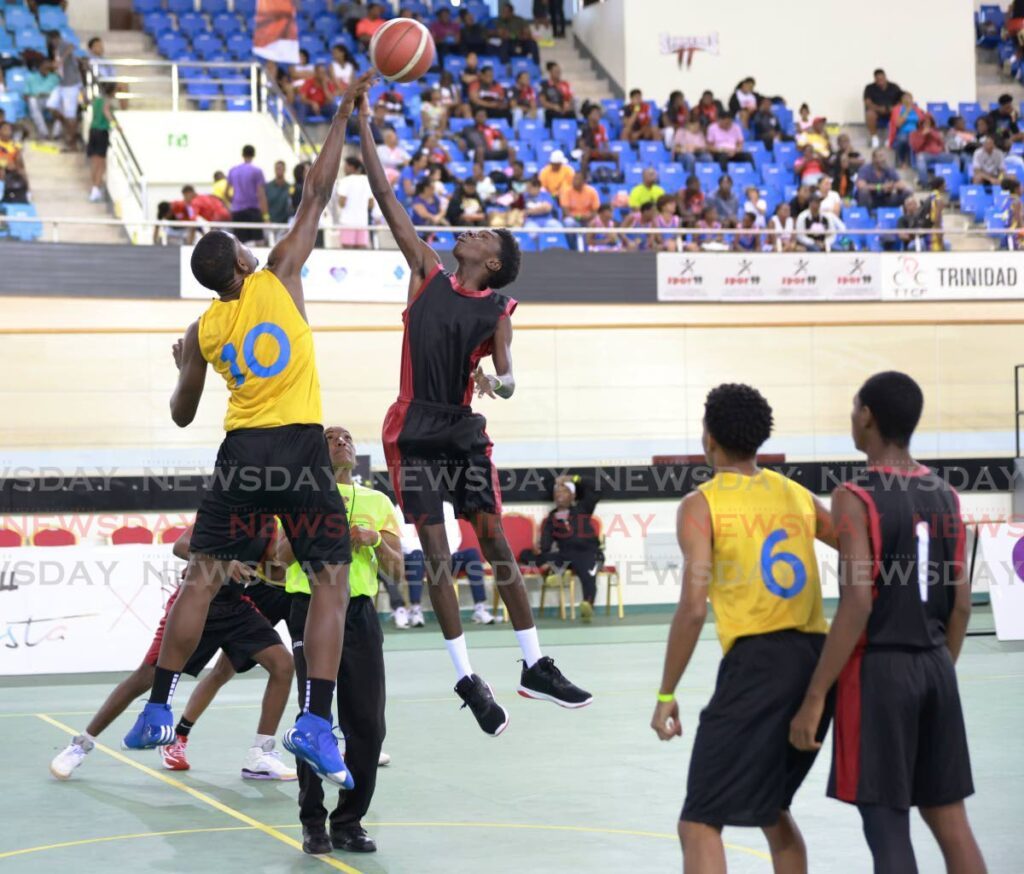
point(570, 539)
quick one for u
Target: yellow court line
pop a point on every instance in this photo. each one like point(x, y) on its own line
point(84, 841)
point(270, 831)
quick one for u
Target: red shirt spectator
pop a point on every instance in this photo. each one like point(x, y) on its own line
point(318, 90)
point(207, 207)
point(927, 140)
point(179, 211)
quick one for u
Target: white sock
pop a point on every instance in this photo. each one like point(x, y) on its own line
point(261, 739)
point(529, 643)
point(459, 655)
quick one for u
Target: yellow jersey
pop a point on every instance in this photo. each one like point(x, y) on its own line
point(263, 348)
point(765, 574)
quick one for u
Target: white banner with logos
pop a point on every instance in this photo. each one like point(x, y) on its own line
point(836, 276)
point(1000, 564)
point(333, 275)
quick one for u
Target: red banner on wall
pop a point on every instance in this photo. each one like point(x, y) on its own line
point(276, 35)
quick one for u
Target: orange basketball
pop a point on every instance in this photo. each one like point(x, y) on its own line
point(402, 50)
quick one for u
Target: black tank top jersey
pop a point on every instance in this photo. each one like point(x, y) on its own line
point(448, 329)
point(917, 536)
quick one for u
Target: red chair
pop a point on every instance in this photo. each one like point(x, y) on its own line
point(131, 534)
point(171, 534)
point(611, 573)
point(520, 533)
point(54, 537)
point(10, 538)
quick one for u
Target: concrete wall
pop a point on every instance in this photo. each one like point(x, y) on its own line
point(602, 29)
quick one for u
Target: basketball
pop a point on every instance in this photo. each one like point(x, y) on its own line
point(402, 50)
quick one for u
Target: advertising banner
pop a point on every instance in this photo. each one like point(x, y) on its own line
point(952, 276)
point(1000, 565)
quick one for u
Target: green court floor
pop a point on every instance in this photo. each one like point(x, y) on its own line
point(560, 791)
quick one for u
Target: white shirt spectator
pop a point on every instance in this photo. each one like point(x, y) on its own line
point(990, 163)
point(411, 540)
point(787, 228)
point(814, 232)
point(832, 203)
point(355, 188)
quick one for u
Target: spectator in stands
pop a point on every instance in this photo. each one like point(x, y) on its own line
point(988, 163)
point(594, 143)
point(317, 94)
point(709, 222)
point(433, 112)
point(844, 148)
point(350, 13)
point(249, 198)
point(809, 167)
point(905, 119)
point(691, 201)
point(673, 117)
point(517, 178)
point(170, 210)
point(485, 141)
point(912, 218)
point(928, 148)
point(392, 156)
point(40, 82)
point(756, 206)
point(515, 35)
point(749, 240)
point(804, 122)
point(831, 201)
point(817, 138)
point(97, 54)
point(202, 208)
point(708, 110)
point(783, 223)
point(63, 101)
point(1004, 124)
point(607, 242)
point(556, 96)
point(724, 199)
point(466, 207)
point(1015, 210)
point(10, 151)
point(489, 95)
point(637, 120)
point(301, 71)
point(343, 68)
point(666, 218)
point(427, 208)
point(524, 98)
point(579, 202)
point(539, 206)
point(801, 200)
point(279, 195)
point(556, 13)
point(725, 142)
point(744, 99)
point(643, 217)
point(436, 151)
point(485, 187)
point(815, 229)
point(394, 105)
point(220, 187)
point(556, 175)
point(367, 27)
point(960, 141)
point(472, 34)
point(689, 144)
point(878, 184)
point(765, 125)
point(647, 191)
point(445, 32)
point(355, 203)
point(451, 96)
point(99, 139)
point(880, 97)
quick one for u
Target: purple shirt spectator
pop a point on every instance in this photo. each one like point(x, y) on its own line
point(247, 180)
point(720, 139)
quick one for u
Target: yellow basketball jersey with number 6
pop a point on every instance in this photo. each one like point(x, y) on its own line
point(263, 348)
point(765, 574)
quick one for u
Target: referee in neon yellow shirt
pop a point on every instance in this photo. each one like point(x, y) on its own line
point(375, 546)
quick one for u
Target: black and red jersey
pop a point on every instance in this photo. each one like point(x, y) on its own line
point(448, 330)
point(917, 537)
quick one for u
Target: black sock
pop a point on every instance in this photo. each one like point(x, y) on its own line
point(163, 686)
point(319, 695)
point(184, 727)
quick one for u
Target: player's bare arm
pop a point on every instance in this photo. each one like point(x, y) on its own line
point(956, 626)
point(503, 383)
point(418, 255)
point(292, 251)
point(856, 581)
point(191, 377)
point(825, 530)
point(693, 530)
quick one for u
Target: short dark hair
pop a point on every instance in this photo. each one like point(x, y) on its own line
point(355, 163)
point(93, 41)
point(1005, 98)
point(879, 71)
point(739, 418)
point(634, 92)
point(248, 151)
point(213, 260)
point(163, 209)
point(895, 401)
point(487, 69)
point(188, 189)
point(511, 258)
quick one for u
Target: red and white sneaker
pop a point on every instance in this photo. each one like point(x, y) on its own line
point(173, 756)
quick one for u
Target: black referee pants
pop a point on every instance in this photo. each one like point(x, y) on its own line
point(583, 563)
point(361, 698)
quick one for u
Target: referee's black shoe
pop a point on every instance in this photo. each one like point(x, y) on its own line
point(477, 696)
point(315, 840)
point(544, 682)
point(352, 839)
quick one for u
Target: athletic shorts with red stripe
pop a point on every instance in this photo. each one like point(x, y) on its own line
point(435, 453)
point(899, 738)
point(233, 624)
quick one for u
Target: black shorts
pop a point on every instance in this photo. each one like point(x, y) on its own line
point(251, 216)
point(263, 473)
point(233, 624)
point(437, 453)
point(743, 770)
point(99, 142)
point(899, 738)
point(272, 601)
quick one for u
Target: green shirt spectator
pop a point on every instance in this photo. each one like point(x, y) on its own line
point(647, 191)
point(38, 84)
point(279, 196)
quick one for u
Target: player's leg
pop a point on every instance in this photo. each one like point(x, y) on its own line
point(887, 830)
point(263, 761)
point(175, 756)
point(956, 839)
point(789, 852)
point(415, 572)
point(137, 683)
point(703, 850)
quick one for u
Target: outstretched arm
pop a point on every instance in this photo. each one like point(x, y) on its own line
point(503, 384)
point(290, 254)
point(418, 255)
point(191, 377)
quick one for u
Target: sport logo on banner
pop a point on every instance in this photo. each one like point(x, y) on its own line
point(276, 35)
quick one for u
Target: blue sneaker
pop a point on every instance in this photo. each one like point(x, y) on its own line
point(153, 728)
point(312, 741)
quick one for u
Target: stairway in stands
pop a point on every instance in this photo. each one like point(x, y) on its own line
point(576, 70)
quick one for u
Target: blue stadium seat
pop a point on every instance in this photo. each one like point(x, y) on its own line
point(941, 112)
point(970, 112)
point(612, 105)
point(563, 131)
point(172, 45)
point(52, 18)
point(213, 7)
point(226, 24)
point(858, 218)
point(785, 116)
point(742, 175)
point(756, 149)
point(460, 169)
point(26, 231)
point(457, 125)
point(147, 7)
point(239, 46)
point(16, 78)
point(671, 177)
point(708, 173)
point(531, 130)
point(527, 242)
point(203, 94)
point(18, 17)
point(207, 47)
point(6, 43)
point(997, 221)
point(552, 241)
point(180, 7)
point(239, 104)
point(13, 106)
point(454, 64)
point(245, 8)
point(789, 192)
point(444, 241)
point(775, 176)
point(29, 38)
point(785, 153)
point(624, 149)
point(975, 200)
point(653, 153)
point(328, 26)
point(192, 24)
point(888, 216)
point(157, 23)
point(634, 174)
point(312, 44)
point(68, 35)
point(951, 173)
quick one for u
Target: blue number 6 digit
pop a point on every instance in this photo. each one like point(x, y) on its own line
point(768, 562)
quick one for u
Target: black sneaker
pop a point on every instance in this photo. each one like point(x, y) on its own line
point(352, 839)
point(477, 696)
point(315, 840)
point(544, 682)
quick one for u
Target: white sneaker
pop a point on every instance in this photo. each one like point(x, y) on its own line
point(874, 141)
point(384, 760)
point(65, 762)
point(482, 615)
point(96, 195)
point(416, 619)
point(401, 617)
point(265, 763)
